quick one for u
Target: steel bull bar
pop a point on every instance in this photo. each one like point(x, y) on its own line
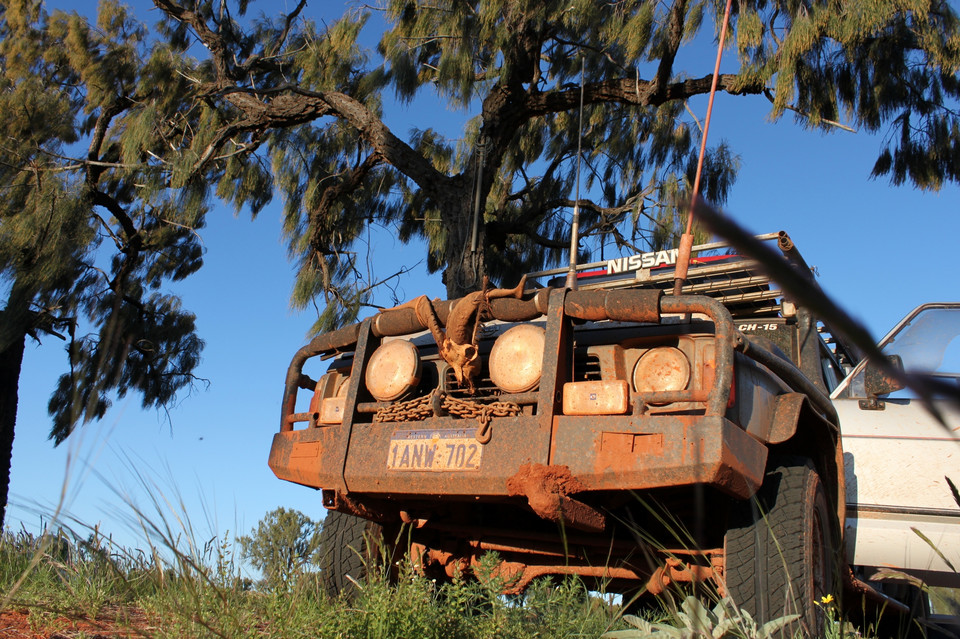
point(545, 457)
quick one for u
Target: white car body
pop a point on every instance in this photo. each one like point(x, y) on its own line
point(902, 512)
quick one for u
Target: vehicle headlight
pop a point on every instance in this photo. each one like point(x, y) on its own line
point(661, 369)
point(516, 360)
point(393, 370)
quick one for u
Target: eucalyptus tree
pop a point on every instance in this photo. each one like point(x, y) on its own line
point(282, 546)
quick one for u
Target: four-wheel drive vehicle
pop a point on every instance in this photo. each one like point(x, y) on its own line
point(615, 432)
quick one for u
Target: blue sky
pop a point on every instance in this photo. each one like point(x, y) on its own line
point(879, 251)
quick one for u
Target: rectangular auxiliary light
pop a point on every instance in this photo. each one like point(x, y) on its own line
point(331, 410)
point(596, 397)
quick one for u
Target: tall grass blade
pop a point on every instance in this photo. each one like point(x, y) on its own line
point(934, 547)
point(953, 489)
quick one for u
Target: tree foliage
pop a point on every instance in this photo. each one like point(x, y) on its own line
point(282, 545)
point(310, 100)
point(90, 232)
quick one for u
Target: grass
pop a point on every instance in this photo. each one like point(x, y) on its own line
point(197, 590)
point(185, 594)
point(188, 589)
point(178, 587)
point(181, 583)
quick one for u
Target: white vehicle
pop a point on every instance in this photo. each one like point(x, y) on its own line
point(902, 463)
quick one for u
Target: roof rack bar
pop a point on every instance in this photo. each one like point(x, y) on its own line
point(738, 282)
point(718, 245)
point(749, 297)
point(696, 249)
point(698, 272)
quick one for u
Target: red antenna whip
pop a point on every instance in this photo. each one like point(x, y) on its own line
point(686, 240)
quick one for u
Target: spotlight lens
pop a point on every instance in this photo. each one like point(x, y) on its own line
point(394, 370)
point(661, 369)
point(517, 359)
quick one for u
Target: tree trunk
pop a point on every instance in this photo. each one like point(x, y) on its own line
point(11, 360)
point(466, 267)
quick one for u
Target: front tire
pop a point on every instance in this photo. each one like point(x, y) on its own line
point(781, 549)
point(347, 546)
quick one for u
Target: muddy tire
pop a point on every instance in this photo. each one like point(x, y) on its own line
point(347, 547)
point(781, 549)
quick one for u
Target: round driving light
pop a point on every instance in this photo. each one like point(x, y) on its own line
point(516, 359)
point(393, 370)
point(661, 369)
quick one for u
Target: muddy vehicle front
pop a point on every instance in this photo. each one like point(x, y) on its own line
point(613, 432)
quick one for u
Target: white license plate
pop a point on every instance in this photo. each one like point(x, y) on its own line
point(434, 450)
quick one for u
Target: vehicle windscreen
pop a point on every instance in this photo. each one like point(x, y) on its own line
point(928, 342)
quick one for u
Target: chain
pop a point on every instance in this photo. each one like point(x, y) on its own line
point(421, 408)
point(468, 408)
point(413, 410)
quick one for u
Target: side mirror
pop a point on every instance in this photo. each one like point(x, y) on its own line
point(878, 382)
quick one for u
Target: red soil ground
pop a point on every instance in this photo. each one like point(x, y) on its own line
point(19, 624)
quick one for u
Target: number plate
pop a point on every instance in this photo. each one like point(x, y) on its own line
point(434, 450)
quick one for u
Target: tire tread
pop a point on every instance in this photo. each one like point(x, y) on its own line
point(343, 552)
point(762, 552)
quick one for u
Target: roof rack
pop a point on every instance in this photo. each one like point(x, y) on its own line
point(734, 280)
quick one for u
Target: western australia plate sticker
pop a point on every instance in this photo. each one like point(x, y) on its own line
point(434, 450)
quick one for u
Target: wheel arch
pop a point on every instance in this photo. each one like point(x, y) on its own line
point(800, 430)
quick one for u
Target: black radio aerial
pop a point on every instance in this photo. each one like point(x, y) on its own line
point(571, 282)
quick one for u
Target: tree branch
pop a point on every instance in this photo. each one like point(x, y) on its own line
point(593, 206)
point(257, 60)
point(106, 116)
point(665, 68)
point(293, 106)
point(134, 238)
point(350, 182)
point(288, 22)
point(634, 91)
point(588, 47)
point(212, 40)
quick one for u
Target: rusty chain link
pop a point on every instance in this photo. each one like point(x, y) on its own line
point(421, 408)
point(412, 410)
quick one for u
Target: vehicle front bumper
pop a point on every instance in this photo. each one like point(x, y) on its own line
point(600, 453)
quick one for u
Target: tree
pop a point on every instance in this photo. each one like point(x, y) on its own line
point(281, 546)
point(89, 232)
point(312, 101)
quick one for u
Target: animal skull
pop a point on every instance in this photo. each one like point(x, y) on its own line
point(458, 344)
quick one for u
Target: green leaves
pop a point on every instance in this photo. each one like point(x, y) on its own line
point(282, 545)
point(287, 105)
point(874, 65)
point(695, 621)
point(93, 226)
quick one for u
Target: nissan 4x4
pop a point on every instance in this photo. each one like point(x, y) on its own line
point(632, 437)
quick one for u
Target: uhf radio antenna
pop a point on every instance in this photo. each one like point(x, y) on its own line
point(571, 282)
point(686, 240)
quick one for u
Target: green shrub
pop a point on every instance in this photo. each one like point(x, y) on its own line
point(281, 547)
